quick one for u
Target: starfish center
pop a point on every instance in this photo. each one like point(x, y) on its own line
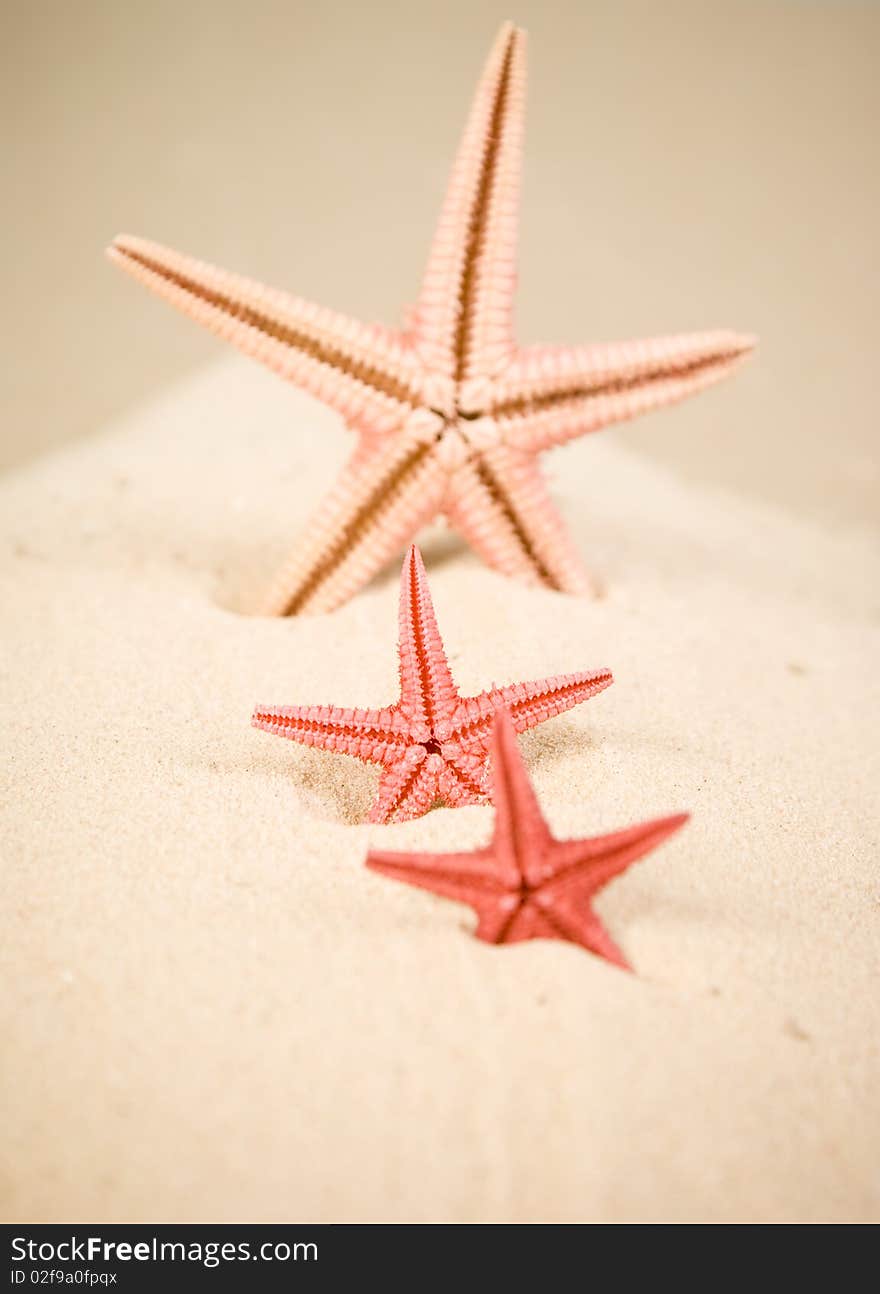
point(432, 747)
point(452, 421)
point(464, 434)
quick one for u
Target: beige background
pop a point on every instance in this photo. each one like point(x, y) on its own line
point(688, 165)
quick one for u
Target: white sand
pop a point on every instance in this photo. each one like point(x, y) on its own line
point(212, 1011)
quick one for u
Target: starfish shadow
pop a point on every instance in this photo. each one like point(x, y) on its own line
point(644, 900)
point(556, 742)
point(336, 791)
point(341, 793)
point(442, 548)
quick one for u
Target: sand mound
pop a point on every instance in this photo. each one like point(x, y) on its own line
point(212, 1011)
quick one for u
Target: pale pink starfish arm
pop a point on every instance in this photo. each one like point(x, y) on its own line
point(463, 318)
point(376, 507)
point(549, 395)
point(379, 736)
point(428, 693)
point(367, 373)
point(500, 503)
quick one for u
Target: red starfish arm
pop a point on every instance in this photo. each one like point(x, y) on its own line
point(369, 516)
point(464, 877)
point(521, 835)
point(427, 691)
point(499, 502)
point(550, 395)
point(462, 322)
point(408, 788)
point(366, 373)
point(464, 778)
point(583, 867)
point(561, 918)
point(375, 736)
point(525, 704)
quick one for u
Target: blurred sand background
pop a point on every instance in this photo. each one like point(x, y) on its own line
point(688, 165)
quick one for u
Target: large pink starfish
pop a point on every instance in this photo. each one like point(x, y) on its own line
point(525, 884)
point(451, 414)
point(433, 745)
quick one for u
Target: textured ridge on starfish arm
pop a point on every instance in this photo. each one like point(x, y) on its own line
point(549, 395)
point(532, 703)
point(424, 670)
point(409, 789)
point(373, 735)
point(525, 884)
point(432, 744)
point(528, 704)
point(390, 493)
point(500, 503)
point(463, 320)
point(363, 371)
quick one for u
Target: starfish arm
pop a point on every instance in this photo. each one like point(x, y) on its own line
point(464, 779)
point(550, 395)
point(499, 502)
point(516, 923)
point(521, 835)
point(375, 509)
point(428, 693)
point(560, 918)
point(527, 704)
point(583, 867)
point(375, 736)
point(408, 788)
point(463, 319)
point(464, 877)
point(368, 374)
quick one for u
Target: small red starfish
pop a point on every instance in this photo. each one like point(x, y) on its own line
point(433, 744)
point(525, 884)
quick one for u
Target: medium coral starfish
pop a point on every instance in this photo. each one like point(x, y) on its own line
point(525, 884)
point(433, 745)
point(451, 414)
